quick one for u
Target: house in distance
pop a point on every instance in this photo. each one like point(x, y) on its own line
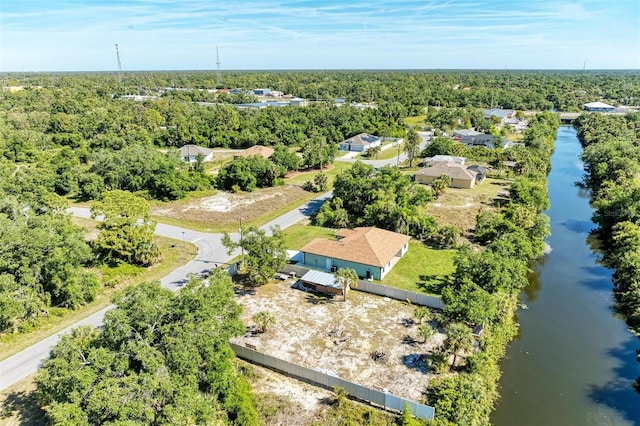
point(360, 143)
point(190, 153)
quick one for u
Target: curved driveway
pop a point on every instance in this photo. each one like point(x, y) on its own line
point(211, 253)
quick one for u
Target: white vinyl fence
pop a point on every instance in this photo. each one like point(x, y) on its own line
point(379, 398)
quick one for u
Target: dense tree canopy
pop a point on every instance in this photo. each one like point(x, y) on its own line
point(160, 358)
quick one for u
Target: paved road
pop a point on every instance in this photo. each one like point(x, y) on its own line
point(211, 253)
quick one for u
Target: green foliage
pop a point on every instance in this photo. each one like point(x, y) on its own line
point(160, 358)
point(412, 145)
point(319, 184)
point(346, 278)
point(250, 173)
point(126, 233)
point(385, 198)
point(440, 185)
point(41, 261)
point(612, 160)
point(263, 255)
point(264, 320)
point(318, 152)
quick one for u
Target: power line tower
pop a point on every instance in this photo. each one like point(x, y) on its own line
point(119, 64)
point(218, 72)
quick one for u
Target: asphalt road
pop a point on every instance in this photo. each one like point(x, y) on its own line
point(211, 253)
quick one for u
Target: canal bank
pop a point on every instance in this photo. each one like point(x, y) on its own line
point(574, 362)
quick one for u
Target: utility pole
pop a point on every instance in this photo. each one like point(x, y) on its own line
point(119, 64)
point(218, 72)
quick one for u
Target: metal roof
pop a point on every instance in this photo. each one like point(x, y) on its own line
point(321, 278)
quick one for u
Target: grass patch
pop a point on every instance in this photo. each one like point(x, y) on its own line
point(421, 269)
point(296, 236)
point(417, 120)
point(174, 254)
point(304, 176)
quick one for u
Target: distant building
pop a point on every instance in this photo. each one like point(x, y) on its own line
point(263, 151)
point(461, 176)
point(465, 132)
point(298, 102)
point(599, 107)
point(502, 114)
point(262, 92)
point(445, 159)
point(360, 143)
point(189, 153)
point(477, 140)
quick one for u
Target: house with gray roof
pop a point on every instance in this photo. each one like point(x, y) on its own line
point(189, 153)
point(360, 143)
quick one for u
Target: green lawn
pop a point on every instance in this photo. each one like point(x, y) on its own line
point(415, 121)
point(302, 177)
point(298, 235)
point(421, 269)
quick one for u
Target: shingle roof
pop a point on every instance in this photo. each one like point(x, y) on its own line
point(194, 150)
point(455, 170)
point(368, 246)
point(363, 139)
point(264, 151)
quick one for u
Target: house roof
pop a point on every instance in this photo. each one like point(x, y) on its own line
point(498, 112)
point(598, 105)
point(264, 151)
point(455, 170)
point(368, 246)
point(445, 158)
point(193, 150)
point(466, 132)
point(363, 139)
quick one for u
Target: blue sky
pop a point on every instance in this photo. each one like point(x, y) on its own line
point(74, 35)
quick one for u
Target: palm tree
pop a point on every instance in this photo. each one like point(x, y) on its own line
point(374, 150)
point(425, 331)
point(422, 314)
point(346, 278)
point(459, 338)
point(264, 320)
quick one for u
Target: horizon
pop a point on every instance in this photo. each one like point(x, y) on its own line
point(80, 36)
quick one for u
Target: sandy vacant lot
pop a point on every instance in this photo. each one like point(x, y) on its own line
point(338, 337)
point(224, 208)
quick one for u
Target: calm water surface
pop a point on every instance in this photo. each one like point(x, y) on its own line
point(574, 363)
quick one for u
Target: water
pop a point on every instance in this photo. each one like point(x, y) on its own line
point(574, 363)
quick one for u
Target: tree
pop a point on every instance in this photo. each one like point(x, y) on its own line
point(374, 151)
point(346, 278)
point(160, 358)
point(458, 339)
point(440, 184)
point(126, 232)
point(264, 320)
point(318, 152)
point(425, 331)
point(412, 145)
point(263, 255)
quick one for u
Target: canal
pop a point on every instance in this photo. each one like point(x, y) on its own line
point(574, 361)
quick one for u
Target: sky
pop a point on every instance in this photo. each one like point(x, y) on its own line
point(75, 35)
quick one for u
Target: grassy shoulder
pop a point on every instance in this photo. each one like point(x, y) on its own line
point(174, 254)
point(422, 269)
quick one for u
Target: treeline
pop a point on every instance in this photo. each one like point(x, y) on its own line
point(159, 358)
point(487, 280)
point(612, 160)
point(524, 90)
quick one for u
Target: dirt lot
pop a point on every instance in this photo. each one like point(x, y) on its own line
point(338, 337)
point(459, 207)
point(224, 208)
